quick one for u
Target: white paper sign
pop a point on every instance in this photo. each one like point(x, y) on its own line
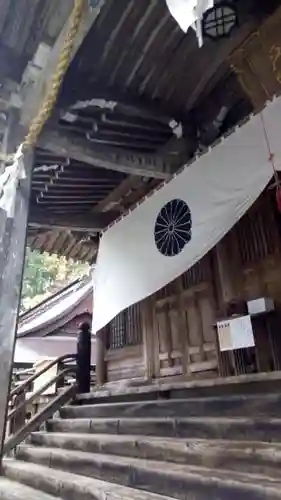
point(235, 333)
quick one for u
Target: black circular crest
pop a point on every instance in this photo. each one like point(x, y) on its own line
point(173, 226)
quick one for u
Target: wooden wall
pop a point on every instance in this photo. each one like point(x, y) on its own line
point(172, 333)
point(124, 353)
point(184, 313)
point(257, 62)
point(252, 260)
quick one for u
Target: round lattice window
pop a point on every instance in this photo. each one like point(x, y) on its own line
point(173, 226)
point(220, 21)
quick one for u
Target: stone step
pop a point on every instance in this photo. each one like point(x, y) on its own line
point(250, 429)
point(12, 490)
point(70, 486)
point(244, 456)
point(164, 478)
point(101, 397)
point(228, 406)
point(257, 383)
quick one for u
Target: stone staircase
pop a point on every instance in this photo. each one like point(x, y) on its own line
point(215, 447)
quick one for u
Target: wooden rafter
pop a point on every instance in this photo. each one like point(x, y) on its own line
point(82, 150)
point(117, 194)
point(127, 102)
point(91, 222)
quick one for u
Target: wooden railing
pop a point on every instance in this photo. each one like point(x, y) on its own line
point(73, 374)
point(18, 427)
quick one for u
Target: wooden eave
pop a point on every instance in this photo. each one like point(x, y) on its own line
point(136, 96)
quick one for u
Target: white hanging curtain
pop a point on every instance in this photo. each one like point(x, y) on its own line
point(174, 228)
point(189, 13)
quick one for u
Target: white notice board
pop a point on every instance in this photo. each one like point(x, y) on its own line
point(235, 333)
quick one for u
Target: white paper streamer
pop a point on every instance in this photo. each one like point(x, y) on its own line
point(9, 182)
point(189, 13)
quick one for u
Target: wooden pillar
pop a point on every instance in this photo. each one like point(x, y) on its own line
point(148, 338)
point(100, 357)
point(13, 231)
point(224, 266)
point(230, 277)
point(185, 354)
point(166, 335)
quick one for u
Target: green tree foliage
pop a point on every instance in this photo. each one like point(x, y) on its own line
point(45, 274)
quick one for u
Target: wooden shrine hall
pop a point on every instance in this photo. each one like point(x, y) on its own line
point(139, 100)
point(104, 105)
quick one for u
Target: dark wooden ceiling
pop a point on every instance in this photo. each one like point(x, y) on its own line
point(72, 201)
point(23, 25)
point(136, 48)
point(138, 101)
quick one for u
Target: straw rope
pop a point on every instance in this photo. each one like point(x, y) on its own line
point(51, 95)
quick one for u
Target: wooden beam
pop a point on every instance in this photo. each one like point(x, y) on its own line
point(81, 150)
point(33, 99)
point(128, 103)
point(12, 65)
point(113, 199)
point(93, 222)
point(147, 145)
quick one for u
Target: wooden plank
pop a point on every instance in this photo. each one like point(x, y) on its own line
point(135, 373)
point(200, 366)
point(128, 365)
point(171, 371)
point(84, 151)
point(124, 352)
point(203, 366)
point(208, 347)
